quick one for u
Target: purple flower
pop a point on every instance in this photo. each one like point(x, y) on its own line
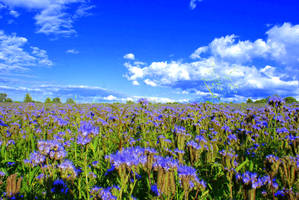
point(155, 190)
point(95, 163)
point(103, 193)
point(189, 171)
point(282, 130)
point(232, 137)
point(36, 158)
point(68, 169)
point(165, 163)
point(2, 174)
point(251, 179)
point(275, 101)
point(193, 144)
point(59, 187)
point(3, 124)
point(179, 130)
point(279, 193)
point(200, 139)
point(132, 156)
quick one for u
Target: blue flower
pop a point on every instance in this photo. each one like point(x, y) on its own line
point(3, 124)
point(36, 158)
point(165, 163)
point(68, 169)
point(130, 157)
point(275, 101)
point(103, 193)
point(2, 174)
point(282, 130)
point(155, 189)
point(279, 193)
point(59, 187)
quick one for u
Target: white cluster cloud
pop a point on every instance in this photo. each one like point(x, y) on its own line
point(232, 62)
point(13, 54)
point(110, 98)
point(14, 13)
point(129, 56)
point(53, 17)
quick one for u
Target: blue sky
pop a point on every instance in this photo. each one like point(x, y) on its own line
point(163, 50)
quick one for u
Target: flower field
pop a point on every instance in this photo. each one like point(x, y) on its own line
point(149, 151)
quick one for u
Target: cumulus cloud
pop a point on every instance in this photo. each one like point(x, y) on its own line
point(52, 17)
point(13, 54)
point(110, 98)
point(72, 51)
point(196, 54)
point(193, 3)
point(129, 56)
point(149, 82)
point(14, 13)
point(228, 66)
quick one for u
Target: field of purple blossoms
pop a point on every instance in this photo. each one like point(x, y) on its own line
point(148, 151)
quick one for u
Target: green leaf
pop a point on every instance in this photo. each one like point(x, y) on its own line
point(242, 165)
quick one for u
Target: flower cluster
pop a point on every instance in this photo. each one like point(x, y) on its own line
point(86, 132)
point(275, 101)
point(52, 149)
point(252, 180)
point(102, 193)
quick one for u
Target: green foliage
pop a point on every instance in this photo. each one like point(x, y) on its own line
point(56, 100)
point(70, 101)
point(28, 98)
point(290, 100)
point(3, 97)
point(261, 101)
point(48, 100)
point(129, 102)
point(249, 101)
point(9, 100)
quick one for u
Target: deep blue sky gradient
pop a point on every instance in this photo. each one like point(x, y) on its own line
point(153, 30)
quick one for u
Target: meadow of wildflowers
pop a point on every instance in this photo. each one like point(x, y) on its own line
point(147, 151)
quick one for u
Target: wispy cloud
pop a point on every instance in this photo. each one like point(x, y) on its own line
point(72, 51)
point(81, 93)
point(228, 66)
point(14, 56)
point(53, 16)
point(193, 3)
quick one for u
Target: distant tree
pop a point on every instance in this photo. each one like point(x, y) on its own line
point(48, 100)
point(261, 101)
point(28, 98)
point(3, 97)
point(8, 100)
point(56, 100)
point(290, 100)
point(70, 101)
point(249, 101)
point(129, 102)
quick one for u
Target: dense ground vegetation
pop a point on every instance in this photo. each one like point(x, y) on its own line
point(142, 151)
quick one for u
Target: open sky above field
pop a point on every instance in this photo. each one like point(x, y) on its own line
point(163, 50)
